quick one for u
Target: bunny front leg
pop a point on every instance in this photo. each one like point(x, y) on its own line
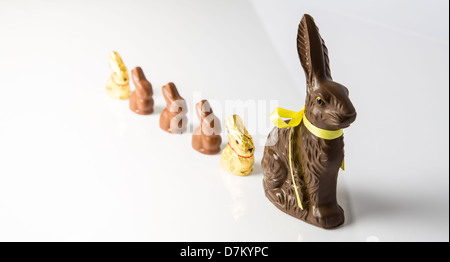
point(245, 166)
point(164, 120)
point(197, 142)
point(328, 216)
point(275, 174)
point(226, 159)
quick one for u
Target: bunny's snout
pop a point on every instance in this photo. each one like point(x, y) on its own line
point(250, 150)
point(347, 119)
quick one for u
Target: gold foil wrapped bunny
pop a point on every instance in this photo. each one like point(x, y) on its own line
point(118, 85)
point(237, 157)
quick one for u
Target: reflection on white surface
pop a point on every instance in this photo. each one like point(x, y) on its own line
point(372, 239)
point(117, 109)
point(233, 183)
point(78, 166)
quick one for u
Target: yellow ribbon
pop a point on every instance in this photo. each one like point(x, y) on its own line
point(296, 118)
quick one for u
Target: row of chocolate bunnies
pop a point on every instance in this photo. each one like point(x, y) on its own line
point(237, 157)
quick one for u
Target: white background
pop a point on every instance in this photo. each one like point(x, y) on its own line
point(76, 165)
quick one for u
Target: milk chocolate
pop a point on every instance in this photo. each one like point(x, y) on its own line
point(173, 118)
point(315, 161)
point(206, 138)
point(141, 100)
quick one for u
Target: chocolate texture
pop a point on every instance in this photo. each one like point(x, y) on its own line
point(315, 161)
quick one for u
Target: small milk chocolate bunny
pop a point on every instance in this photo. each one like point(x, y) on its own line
point(302, 157)
point(141, 101)
point(206, 138)
point(173, 118)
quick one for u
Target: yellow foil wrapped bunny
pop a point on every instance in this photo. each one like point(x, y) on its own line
point(237, 157)
point(118, 85)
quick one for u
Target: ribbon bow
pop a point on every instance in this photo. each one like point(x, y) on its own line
point(296, 118)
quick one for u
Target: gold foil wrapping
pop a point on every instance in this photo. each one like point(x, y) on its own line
point(237, 157)
point(118, 85)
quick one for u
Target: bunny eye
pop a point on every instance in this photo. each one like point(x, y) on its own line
point(319, 101)
point(237, 142)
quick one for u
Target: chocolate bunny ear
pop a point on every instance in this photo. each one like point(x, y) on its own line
point(137, 74)
point(114, 61)
point(203, 109)
point(235, 125)
point(312, 51)
point(170, 93)
point(206, 116)
point(141, 83)
point(117, 66)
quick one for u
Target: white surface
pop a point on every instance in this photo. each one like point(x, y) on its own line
point(76, 165)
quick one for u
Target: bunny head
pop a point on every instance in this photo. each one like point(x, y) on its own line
point(143, 87)
point(327, 105)
point(238, 137)
point(120, 72)
point(175, 103)
point(209, 122)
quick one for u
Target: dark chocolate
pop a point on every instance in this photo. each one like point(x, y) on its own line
point(315, 161)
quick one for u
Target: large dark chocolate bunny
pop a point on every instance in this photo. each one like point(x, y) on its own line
point(315, 161)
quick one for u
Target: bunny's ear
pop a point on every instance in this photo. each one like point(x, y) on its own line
point(115, 62)
point(170, 93)
point(138, 74)
point(312, 51)
point(206, 116)
point(235, 124)
point(203, 109)
point(142, 85)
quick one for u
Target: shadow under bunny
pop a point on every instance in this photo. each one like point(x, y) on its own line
point(359, 205)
